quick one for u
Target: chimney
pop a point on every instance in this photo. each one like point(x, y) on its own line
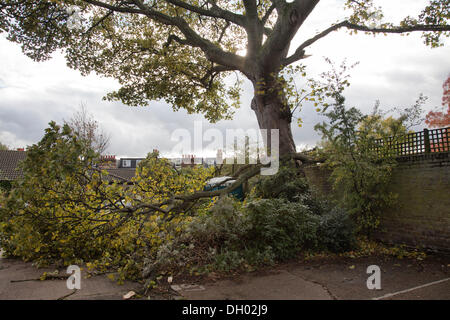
point(219, 156)
point(108, 161)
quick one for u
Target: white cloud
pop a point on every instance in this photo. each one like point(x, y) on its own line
point(393, 69)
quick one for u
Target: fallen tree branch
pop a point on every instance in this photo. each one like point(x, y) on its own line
point(47, 277)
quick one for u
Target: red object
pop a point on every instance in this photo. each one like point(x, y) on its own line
point(440, 119)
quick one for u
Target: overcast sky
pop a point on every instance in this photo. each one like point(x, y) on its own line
point(393, 69)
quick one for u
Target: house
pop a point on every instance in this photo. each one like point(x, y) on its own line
point(10, 159)
point(191, 161)
point(122, 170)
point(107, 162)
point(130, 163)
point(121, 175)
point(9, 166)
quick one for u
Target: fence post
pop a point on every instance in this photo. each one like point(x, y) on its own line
point(426, 139)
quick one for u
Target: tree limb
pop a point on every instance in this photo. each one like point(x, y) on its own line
point(267, 14)
point(300, 52)
point(290, 18)
point(212, 51)
point(214, 12)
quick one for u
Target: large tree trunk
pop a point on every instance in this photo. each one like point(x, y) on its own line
point(273, 112)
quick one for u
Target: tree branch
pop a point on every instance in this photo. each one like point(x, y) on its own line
point(222, 33)
point(212, 51)
point(214, 12)
point(114, 8)
point(300, 52)
point(253, 27)
point(267, 14)
point(290, 17)
point(413, 28)
point(172, 38)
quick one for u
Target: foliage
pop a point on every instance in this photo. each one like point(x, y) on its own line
point(47, 170)
point(185, 52)
point(64, 210)
point(437, 119)
point(272, 225)
point(285, 227)
point(88, 130)
point(3, 146)
point(235, 236)
point(289, 184)
point(336, 231)
point(5, 185)
point(361, 167)
point(204, 242)
point(365, 247)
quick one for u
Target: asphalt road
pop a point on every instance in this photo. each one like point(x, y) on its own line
point(322, 279)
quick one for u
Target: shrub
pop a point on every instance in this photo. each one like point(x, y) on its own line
point(5, 186)
point(284, 226)
point(286, 184)
point(337, 231)
point(361, 163)
point(232, 235)
point(289, 184)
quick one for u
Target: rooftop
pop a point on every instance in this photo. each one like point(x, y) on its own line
point(9, 161)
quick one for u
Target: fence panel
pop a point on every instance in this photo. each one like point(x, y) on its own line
point(439, 140)
point(416, 143)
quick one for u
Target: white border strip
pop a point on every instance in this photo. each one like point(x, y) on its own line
point(412, 289)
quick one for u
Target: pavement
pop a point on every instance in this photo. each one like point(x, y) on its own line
point(323, 279)
point(337, 279)
point(281, 285)
point(19, 281)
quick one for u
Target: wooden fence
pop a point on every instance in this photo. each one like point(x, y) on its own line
point(416, 143)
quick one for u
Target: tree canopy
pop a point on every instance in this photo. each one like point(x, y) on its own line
point(183, 51)
point(436, 119)
point(83, 124)
point(3, 146)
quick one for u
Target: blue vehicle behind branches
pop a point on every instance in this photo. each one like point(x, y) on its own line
point(216, 184)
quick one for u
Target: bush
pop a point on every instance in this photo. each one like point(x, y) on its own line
point(337, 231)
point(232, 235)
point(290, 185)
point(286, 184)
point(223, 223)
point(358, 148)
point(284, 226)
point(5, 186)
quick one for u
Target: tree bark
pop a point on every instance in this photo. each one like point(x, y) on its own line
point(273, 112)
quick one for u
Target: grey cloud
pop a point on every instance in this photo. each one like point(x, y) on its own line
point(393, 69)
